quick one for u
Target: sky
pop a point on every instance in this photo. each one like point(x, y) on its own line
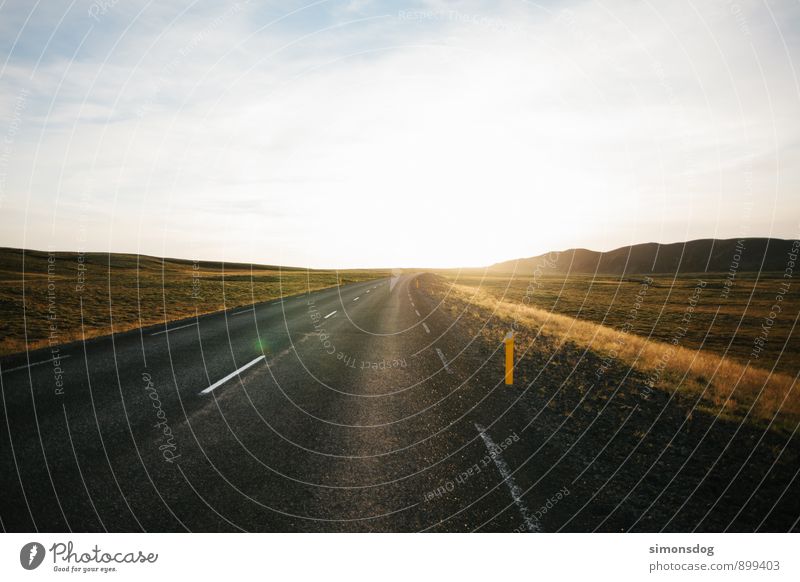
point(343, 134)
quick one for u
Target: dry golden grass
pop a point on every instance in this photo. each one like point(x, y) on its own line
point(725, 320)
point(725, 386)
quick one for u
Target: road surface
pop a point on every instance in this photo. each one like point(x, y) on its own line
point(346, 409)
point(367, 407)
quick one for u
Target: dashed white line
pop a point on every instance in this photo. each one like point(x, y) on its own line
point(219, 383)
point(444, 362)
point(368, 290)
point(35, 364)
point(531, 523)
point(356, 299)
point(245, 311)
point(331, 313)
point(174, 328)
point(417, 312)
point(427, 329)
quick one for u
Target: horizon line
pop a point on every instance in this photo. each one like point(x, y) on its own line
point(416, 268)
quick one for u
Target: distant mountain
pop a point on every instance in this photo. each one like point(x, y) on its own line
point(696, 256)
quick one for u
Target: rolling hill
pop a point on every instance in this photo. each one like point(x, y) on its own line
point(696, 256)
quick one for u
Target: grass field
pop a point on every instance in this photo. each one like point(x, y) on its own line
point(68, 296)
point(681, 335)
point(726, 323)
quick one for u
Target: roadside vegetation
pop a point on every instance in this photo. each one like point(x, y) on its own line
point(644, 326)
point(68, 296)
point(725, 320)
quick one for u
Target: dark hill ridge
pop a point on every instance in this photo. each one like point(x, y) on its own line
point(696, 256)
point(11, 261)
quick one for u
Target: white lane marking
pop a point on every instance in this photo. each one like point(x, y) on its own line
point(368, 290)
point(444, 362)
point(219, 383)
point(331, 313)
point(356, 299)
point(425, 325)
point(245, 311)
point(531, 523)
point(174, 328)
point(417, 312)
point(35, 364)
point(412, 304)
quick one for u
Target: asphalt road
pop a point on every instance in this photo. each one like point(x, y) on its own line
point(356, 408)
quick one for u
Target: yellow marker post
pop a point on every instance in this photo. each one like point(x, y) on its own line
point(509, 341)
point(417, 282)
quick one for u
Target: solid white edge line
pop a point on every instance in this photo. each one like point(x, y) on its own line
point(516, 493)
point(251, 310)
point(331, 313)
point(444, 362)
point(427, 329)
point(35, 364)
point(174, 328)
point(219, 383)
